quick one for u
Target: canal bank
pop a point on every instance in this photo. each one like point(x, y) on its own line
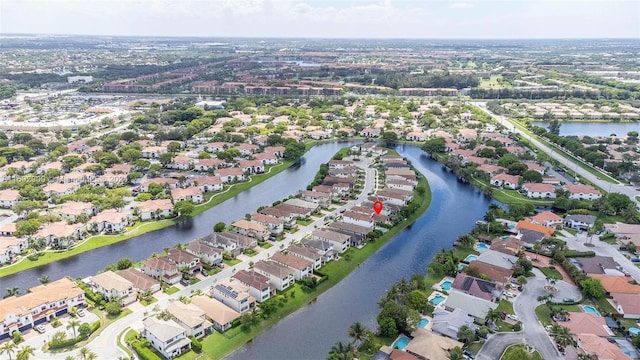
point(310, 332)
point(297, 177)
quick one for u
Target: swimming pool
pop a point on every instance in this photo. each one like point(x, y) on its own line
point(462, 266)
point(591, 310)
point(401, 343)
point(482, 246)
point(436, 300)
point(470, 258)
point(424, 322)
point(634, 331)
point(504, 238)
point(445, 285)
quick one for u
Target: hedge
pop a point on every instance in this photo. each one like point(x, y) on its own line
point(195, 344)
point(70, 342)
point(144, 353)
point(576, 253)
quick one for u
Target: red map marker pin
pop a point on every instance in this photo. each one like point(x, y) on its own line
point(377, 207)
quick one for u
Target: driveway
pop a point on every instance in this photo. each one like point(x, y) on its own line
point(105, 344)
point(532, 331)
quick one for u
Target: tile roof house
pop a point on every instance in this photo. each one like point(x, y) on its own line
point(258, 284)
point(112, 285)
point(340, 242)
point(9, 198)
point(233, 294)
point(526, 225)
point(191, 318)
point(111, 221)
point(599, 347)
point(546, 218)
point(220, 315)
point(506, 180)
point(428, 345)
point(166, 336)
point(141, 281)
point(582, 192)
point(207, 253)
point(184, 260)
point(192, 194)
point(582, 322)
point(281, 277)
point(628, 305)
point(493, 272)
point(539, 190)
point(162, 269)
point(617, 284)
point(155, 209)
point(301, 267)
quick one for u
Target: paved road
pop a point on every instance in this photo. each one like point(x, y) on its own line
point(579, 241)
point(532, 331)
point(630, 191)
point(105, 344)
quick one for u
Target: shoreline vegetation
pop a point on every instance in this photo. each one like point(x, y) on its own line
point(218, 345)
point(141, 228)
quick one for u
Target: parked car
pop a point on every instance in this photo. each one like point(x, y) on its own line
point(80, 312)
point(40, 329)
point(513, 317)
point(568, 300)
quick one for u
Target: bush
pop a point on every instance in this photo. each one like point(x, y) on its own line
point(144, 353)
point(576, 253)
point(195, 344)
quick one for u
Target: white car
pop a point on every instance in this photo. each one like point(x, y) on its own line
point(80, 312)
point(40, 329)
point(513, 317)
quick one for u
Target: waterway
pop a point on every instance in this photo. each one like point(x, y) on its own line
point(280, 186)
point(310, 332)
point(593, 129)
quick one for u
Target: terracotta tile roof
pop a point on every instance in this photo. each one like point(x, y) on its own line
point(617, 284)
point(582, 322)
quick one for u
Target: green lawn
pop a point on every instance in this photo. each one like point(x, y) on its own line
point(171, 290)
point(551, 273)
point(218, 345)
point(493, 82)
point(304, 222)
point(543, 312)
point(265, 245)
point(474, 347)
point(149, 302)
point(505, 305)
point(142, 228)
point(232, 262)
point(511, 349)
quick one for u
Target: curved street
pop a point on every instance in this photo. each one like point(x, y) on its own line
point(533, 333)
point(105, 344)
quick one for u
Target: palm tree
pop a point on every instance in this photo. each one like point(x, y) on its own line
point(44, 279)
point(492, 316)
point(562, 335)
point(342, 351)
point(8, 348)
point(455, 354)
point(25, 352)
point(12, 291)
point(73, 324)
point(537, 247)
point(87, 354)
point(358, 332)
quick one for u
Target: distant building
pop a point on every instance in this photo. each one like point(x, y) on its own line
point(79, 79)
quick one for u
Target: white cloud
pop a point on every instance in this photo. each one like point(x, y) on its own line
point(460, 5)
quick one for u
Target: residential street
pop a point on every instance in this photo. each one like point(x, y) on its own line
point(630, 191)
point(533, 333)
point(105, 344)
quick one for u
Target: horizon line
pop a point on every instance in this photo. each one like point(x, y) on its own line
point(311, 37)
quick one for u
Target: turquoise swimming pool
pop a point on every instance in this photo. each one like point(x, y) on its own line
point(462, 266)
point(445, 285)
point(591, 310)
point(470, 258)
point(634, 331)
point(401, 343)
point(437, 299)
point(482, 246)
point(424, 322)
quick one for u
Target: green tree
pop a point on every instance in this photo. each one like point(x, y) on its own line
point(417, 300)
point(358, 332)
point(25, 352)
point(465, 334)
point(174, 147)
point(12, 292)
point(8, 348)
point(73, 325)
point(387, 326)
point(219, 227)
point(183, 208)
point(27, 227)
point(124, 263)
point(455, 354)
point(593, 287)
point(435, 145)
point(532, 176)
point(165, 158)
point(44, 279)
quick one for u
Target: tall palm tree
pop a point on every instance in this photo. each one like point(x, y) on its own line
point(455, 354)
point(44, 279)
point(358, 332)
point(8, 348)
point(25, 352)
point(73, 324)
point(343, 351)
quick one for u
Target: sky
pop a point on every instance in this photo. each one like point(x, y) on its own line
point(441, 19)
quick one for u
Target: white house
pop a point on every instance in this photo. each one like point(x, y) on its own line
point(582, 222)
point(505, 180)
point(9, 198)
point(208, 183)
point(192, 194)
point(207, 253)
point(190, 317)
point(112, 285)
point(258, 284)
point(233, 294)
point(301, 267)
point(166, 336)
point(281, 277)
point(539, 190)
point(111, 221)
point(340, 242)
point(155, 209)
point(351, 217)
point(582, 192)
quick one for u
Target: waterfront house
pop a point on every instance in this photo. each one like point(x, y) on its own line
point(507, 181)
point(275, 225)
point(162, 269)
point(251, 166)
point(301, 267)
point(582, 192)
point(229, 175)
point(207, 253)
point(233, 294)
point(220, 315)
point(110, 221)
point(448, 323)
point(580, 222)
point(208, 183)
point(258, 284)
point(192, 194)
point(184, 260)
point(323, 247)
point(426, 344)
point(546, 218)
point(190, 317)
point(288, 218)
point(10, 247)
point(251, 229)
point(166, 336)
point(60, 234)
point(71, 209)
point(281, 277)
point(357, 234)
point(473, 305)
point(306, 253)
point(477, 287)
point(142, 282)
point(113, 286)
point(340, 242)
point(155, 209)
point(495, 273)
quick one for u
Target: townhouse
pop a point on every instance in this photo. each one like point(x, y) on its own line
point(208, 164)
point(582, 192)
point(60, 234)
point(184, 260)
point(281, 277)
point(10, 247)
point(162, 269)
point(229, 175)
point(539, 191)
point(266, 159)
point(111, 221)
point(258, 284)
point(251, 166)
point(164, 182)
point(192, 194)
point(113, 286)
point(155, 209)
point(9, 198)
point(166, 336)
point(233, 294)
point(58, 189)
point(191, 318)
point(301, 267)
point(71, 209)
point(340, 242)
point(207, 253)
point(181, 163)
point(507, 181)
